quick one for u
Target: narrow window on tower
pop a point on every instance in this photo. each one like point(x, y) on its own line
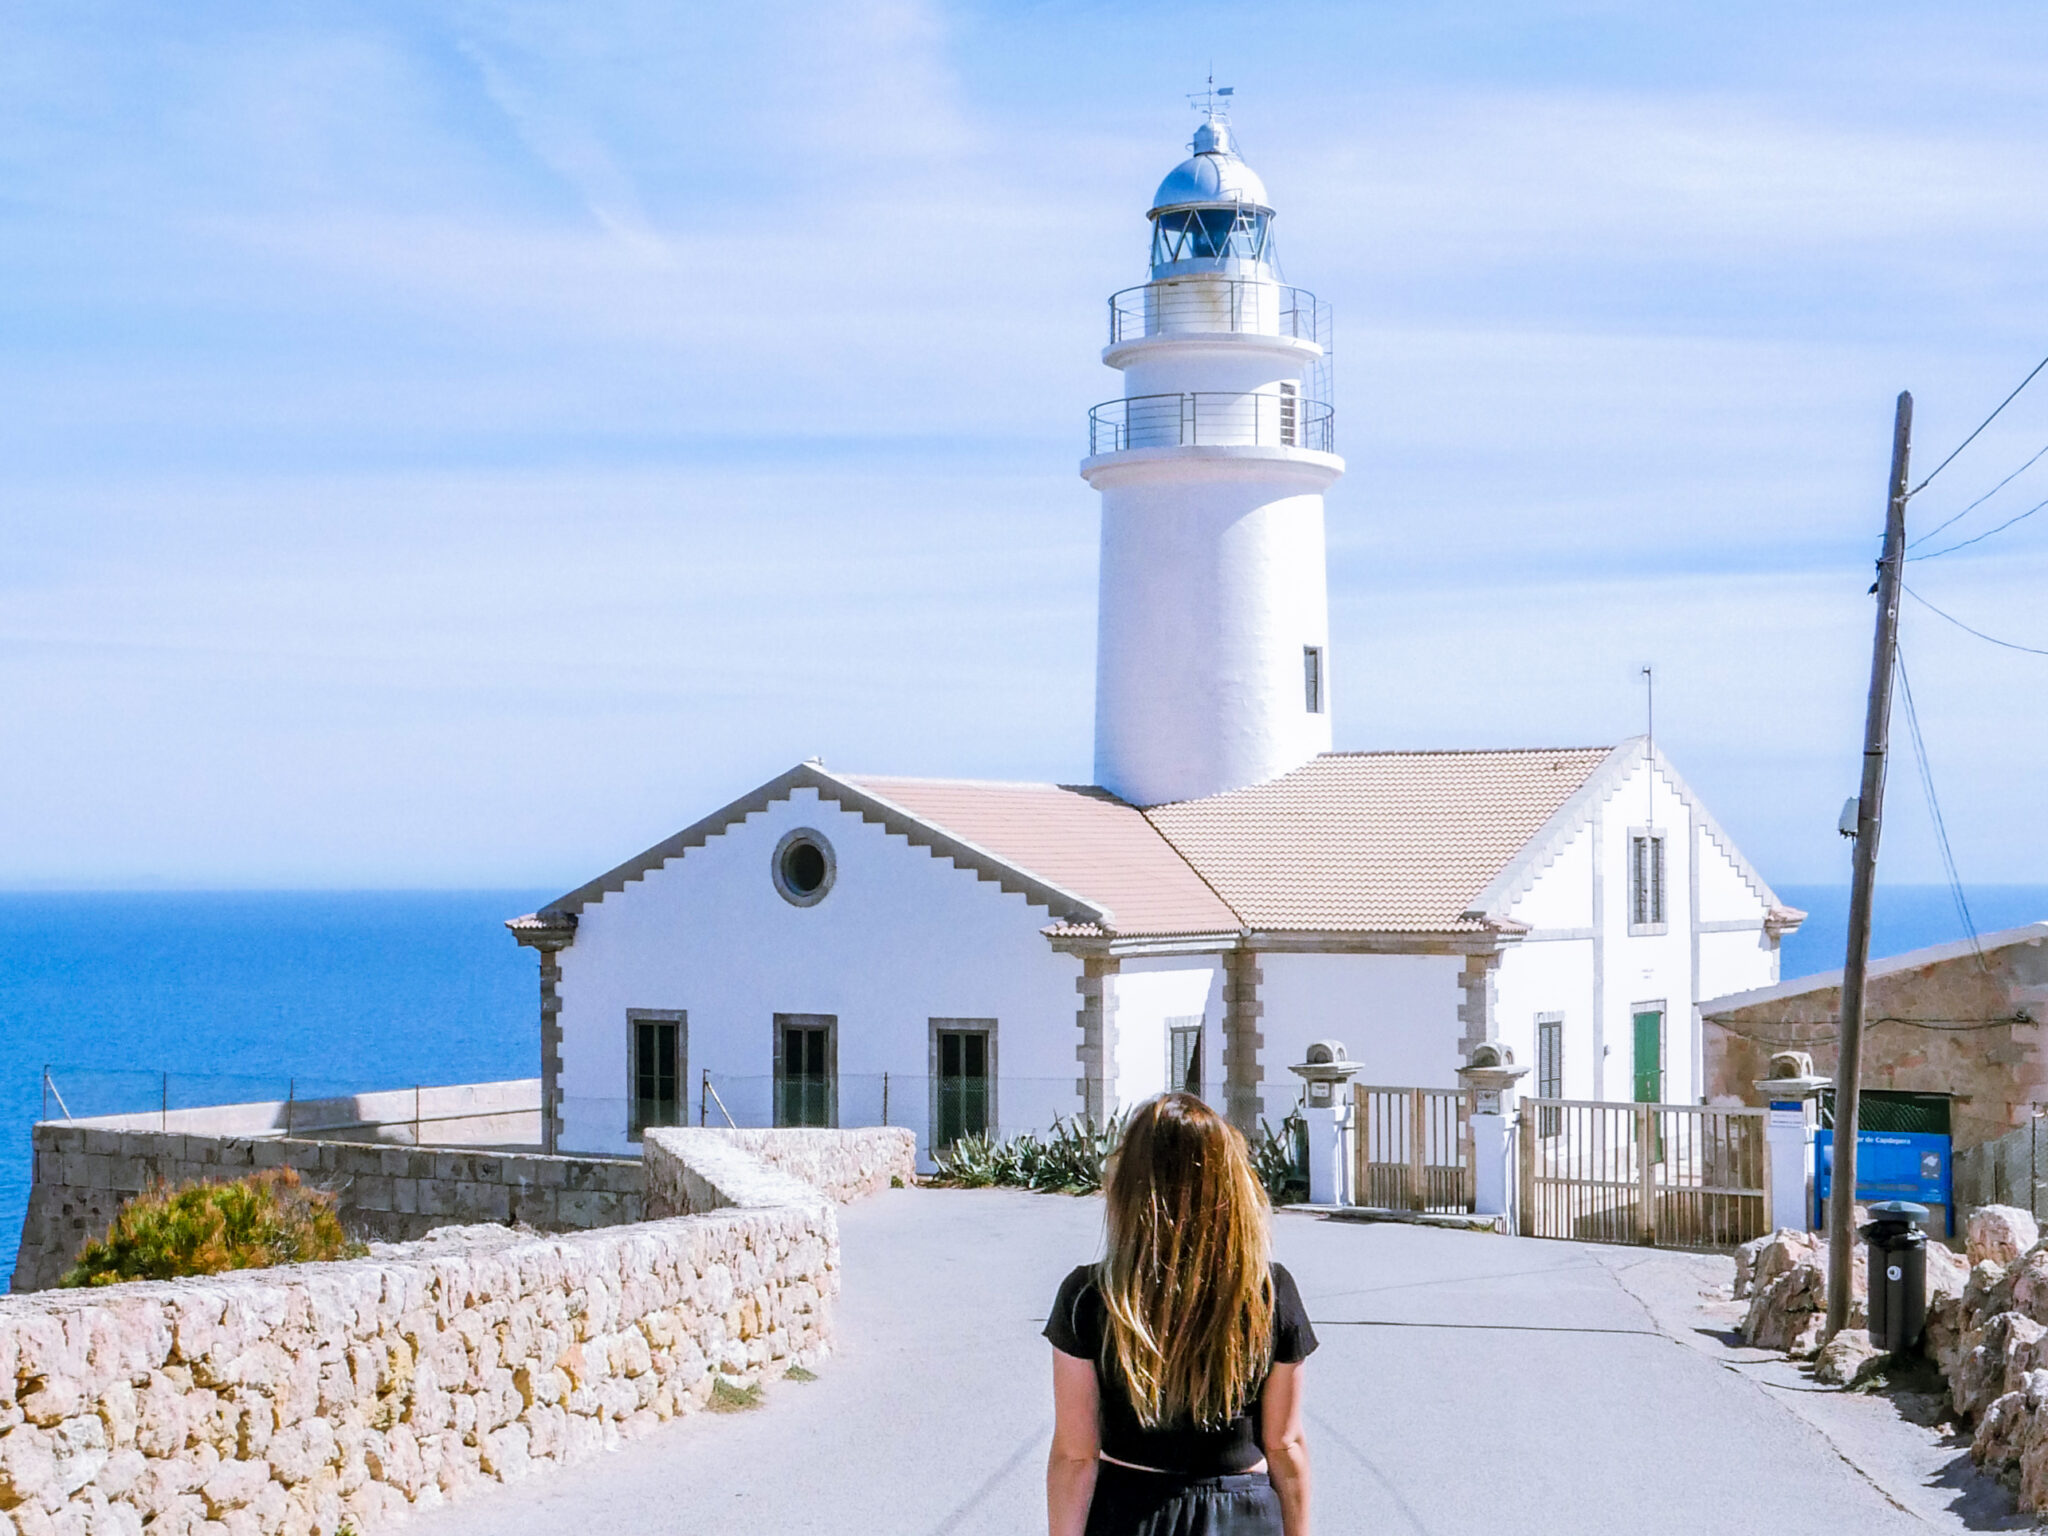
point(1312, 677)
point(1646, 882)
point(1290, 417)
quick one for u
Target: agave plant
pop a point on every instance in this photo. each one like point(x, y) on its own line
point(1282, 1160)
point(972, 1162)
point(1068, 1161)
point(1071, 1159)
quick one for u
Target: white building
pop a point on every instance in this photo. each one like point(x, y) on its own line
point(956, 956)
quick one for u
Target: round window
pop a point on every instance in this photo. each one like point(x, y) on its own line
point(803, 867)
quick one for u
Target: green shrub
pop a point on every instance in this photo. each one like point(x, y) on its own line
point(1282, 1160)
point(727, 1398)
point(205, 1229)
point(1068, 1161)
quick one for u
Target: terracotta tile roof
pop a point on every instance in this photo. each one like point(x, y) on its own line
point(1082, 839)
point(1384, 842)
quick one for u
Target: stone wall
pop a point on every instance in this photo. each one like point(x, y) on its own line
point(299, 1399)
point(1949, 1025)
point(504, 1115)
point(843, 1165)
point(83, 1172)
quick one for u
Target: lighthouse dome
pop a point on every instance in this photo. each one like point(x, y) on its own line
point(1212, 175)
point(1211, 213)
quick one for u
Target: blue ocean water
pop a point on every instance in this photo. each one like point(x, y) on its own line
point(1902, 917)
point(130, 1000)
point(224, 997)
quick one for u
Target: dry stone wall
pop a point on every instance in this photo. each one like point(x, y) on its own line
point(1961, 1025)
point(300, 1399)
point(842, 1165)
point(391, 1193)
point(1987, 1332)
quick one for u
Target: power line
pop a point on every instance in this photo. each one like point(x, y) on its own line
point(1973, 506)
point(1959, 447)
point(1949, 549)
point(1948, 858)
point(2031, 650)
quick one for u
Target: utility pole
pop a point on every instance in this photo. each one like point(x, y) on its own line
point(1869, 817)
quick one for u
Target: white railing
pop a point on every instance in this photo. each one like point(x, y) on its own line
point(1211, 419)
point(1209, 305)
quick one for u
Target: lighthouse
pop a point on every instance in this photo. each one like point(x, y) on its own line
point(1212, 655)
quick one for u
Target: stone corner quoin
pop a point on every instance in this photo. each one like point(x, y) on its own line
point(310, 1396)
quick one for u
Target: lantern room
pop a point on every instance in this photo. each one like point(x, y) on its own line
point(1211, 213)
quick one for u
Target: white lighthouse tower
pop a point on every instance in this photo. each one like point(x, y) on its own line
point(1212, 660)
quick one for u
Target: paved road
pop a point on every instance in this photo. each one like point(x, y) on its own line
point(1466, 1383)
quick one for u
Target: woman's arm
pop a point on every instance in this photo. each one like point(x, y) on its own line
point(1076, 1444)
point(1286, 1446)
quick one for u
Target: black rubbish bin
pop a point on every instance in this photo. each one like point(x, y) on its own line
point(1898, 1274)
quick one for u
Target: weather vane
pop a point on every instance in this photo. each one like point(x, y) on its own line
point(1213, 100)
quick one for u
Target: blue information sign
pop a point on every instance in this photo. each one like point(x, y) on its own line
point(1890, 1165)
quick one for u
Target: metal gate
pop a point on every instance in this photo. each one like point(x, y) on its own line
point(1671, 1175)
point(1414, 1148)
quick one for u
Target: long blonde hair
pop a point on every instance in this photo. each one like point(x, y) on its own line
point(1188, 1280)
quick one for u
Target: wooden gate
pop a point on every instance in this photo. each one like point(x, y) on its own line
point(1671, 1175)
point(1414, 1148)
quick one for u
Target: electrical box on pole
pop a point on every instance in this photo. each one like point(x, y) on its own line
point(1869, 819)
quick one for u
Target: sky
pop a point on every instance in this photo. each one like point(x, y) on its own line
point(460, 444)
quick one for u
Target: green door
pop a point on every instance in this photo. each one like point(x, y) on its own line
point(1650, 1057)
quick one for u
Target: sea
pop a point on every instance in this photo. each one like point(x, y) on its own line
point(117, 1002)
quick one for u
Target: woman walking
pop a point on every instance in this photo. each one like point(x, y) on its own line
point(1177, 1359)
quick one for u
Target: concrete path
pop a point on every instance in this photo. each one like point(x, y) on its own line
point(1466, 1383)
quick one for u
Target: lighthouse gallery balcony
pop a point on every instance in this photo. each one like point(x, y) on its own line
point(1212, 420)
point(1209, 305)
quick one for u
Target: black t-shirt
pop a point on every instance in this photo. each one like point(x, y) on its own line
point(1079, 1326)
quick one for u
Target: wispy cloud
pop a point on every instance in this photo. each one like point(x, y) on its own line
point(407, 407)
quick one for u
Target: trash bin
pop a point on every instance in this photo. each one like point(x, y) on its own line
point(1898, 1274)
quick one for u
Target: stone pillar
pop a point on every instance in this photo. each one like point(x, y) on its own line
point(1475, 1012)
point(550, 1049)
point(1492, 1076)
point(1244, 1105)
point(1097, 1050)
point(550, 933)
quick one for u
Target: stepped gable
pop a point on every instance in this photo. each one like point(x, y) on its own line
point(1375, 842)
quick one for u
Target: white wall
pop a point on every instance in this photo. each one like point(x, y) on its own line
point(1211, 584)
point(1724, 895)
point(1398, 1014)
point(901, 938)
point(1599, 982)
point(1561, 896)
point(1643, 970)
point(1148, 993)
point(1549, 976)
point(1736, 962)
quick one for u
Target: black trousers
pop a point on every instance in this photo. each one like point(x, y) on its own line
point(1128, 1502)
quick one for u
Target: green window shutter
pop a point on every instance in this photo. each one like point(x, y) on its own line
point(1649, 1057)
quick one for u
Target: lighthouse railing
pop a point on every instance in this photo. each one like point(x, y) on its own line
point(1208, 305)
point(1212, 419)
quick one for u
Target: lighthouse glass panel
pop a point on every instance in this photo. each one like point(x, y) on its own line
point(1208, 234)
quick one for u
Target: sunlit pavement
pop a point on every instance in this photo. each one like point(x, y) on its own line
point(1466, 1383)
